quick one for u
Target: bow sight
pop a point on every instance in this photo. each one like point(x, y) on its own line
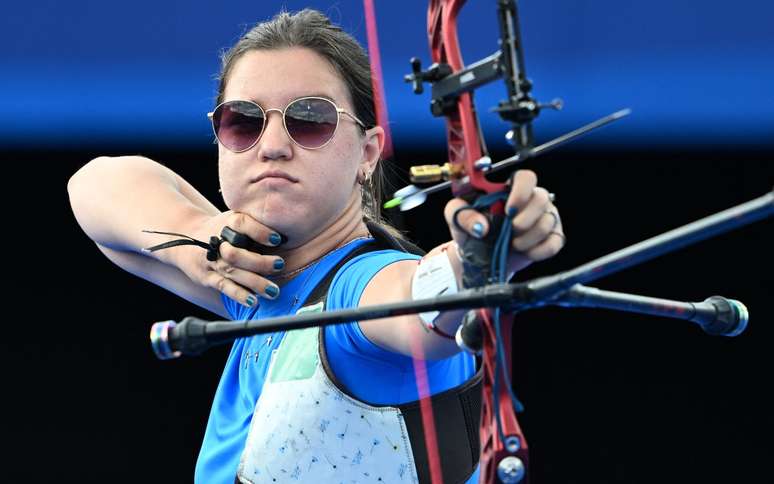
point(507, 63)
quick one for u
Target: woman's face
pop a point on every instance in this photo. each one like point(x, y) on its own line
point(322, 182)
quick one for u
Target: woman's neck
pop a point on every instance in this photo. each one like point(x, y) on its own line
point(345, 228)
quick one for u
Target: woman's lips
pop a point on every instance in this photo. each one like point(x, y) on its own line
point(274, 174)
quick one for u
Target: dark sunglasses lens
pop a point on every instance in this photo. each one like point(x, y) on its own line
point(238, 124)
point(311, 122)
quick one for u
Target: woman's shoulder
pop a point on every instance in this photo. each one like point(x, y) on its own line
point(356, 273)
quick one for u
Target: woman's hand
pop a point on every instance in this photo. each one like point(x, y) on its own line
point(237, 273)
point(537, 227)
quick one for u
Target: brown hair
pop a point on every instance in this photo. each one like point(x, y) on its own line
point(312, 30)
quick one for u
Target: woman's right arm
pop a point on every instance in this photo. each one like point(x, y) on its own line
point(115, 198)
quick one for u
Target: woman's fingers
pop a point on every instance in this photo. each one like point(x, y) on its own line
point(241, 285)
point(547, 223)
point(547, 248)
point(544, 239)
point(240, 272)
point(249, 261)
point(537, 228)
point(522, 191)
point(531, 211)
point(469, 222)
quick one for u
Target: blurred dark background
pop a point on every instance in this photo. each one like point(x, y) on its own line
point(610, 397)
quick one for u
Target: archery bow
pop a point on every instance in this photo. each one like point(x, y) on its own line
point(504, 454)
point(503, 446)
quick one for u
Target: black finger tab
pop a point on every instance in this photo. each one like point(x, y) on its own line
point(241, 240)
point(455, 217)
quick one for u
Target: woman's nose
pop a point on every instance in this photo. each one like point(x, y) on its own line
point(274, 142)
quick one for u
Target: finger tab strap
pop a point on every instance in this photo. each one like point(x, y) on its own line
point(212, 248)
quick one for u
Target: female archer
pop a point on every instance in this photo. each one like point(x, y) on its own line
point(298, 157)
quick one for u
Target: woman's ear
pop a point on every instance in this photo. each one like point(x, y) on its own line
point(372, 149)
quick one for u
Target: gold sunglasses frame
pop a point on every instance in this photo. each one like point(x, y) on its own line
point(339, 112)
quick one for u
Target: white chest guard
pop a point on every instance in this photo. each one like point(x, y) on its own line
point(304, 429)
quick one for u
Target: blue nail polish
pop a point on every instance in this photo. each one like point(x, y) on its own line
point(279, 264)
point(511, 212)
point(272, 291)
point(275, 238)
point(478, 229)
point(250, 300)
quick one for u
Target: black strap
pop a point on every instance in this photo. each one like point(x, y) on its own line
point(457, 417)
point(386, 239)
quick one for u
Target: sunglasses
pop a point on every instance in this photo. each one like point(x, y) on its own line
point(310, 122)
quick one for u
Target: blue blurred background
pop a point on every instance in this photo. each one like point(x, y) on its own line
point(696, 73)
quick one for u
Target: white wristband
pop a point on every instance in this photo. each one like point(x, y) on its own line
point(434, 276)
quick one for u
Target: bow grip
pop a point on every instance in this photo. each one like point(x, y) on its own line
point(476, 255)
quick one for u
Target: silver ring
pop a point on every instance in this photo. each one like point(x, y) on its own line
point(551, 197)
point(556, 218)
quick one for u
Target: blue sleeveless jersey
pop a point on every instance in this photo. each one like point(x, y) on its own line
point(369, 372)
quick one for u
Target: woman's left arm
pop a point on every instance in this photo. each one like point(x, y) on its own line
point(537, 235)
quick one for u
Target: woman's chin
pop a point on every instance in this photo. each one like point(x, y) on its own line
point(298, 219)
point(283, 218)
